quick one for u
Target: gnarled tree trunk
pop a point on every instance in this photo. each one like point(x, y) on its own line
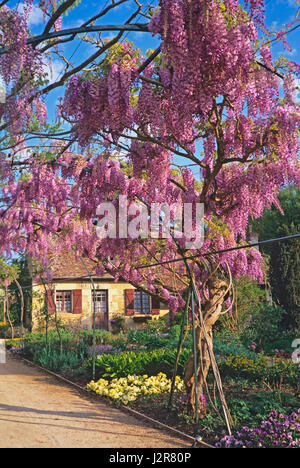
point(211, 311)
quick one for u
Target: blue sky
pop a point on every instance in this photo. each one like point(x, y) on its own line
point(280, 12)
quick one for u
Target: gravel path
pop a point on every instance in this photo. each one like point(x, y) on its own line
point(38, 411)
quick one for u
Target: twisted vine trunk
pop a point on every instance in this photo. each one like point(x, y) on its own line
point(211, 311)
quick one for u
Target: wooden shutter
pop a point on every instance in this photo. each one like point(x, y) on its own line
point(50, 295)
point(77, 301)
point(129, 302)
point(155, 306)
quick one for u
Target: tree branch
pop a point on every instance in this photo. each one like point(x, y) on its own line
point(62, 8)
point(136, 27)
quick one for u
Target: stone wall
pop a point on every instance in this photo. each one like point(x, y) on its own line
point(116, 305)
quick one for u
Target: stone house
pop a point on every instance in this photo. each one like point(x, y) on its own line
point(70, 296)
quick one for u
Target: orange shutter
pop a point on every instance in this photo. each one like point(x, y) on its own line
point(50, 295)
point(77, 301)
point(129, 302)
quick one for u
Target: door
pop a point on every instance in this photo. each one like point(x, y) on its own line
point(101, 309)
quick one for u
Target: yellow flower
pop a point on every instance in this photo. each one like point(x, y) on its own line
point(129, 388)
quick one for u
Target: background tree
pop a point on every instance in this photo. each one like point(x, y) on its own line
point(10, 273)
point(284, 257)
point(18, 301)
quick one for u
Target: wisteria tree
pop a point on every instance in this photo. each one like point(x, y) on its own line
point(207, 117)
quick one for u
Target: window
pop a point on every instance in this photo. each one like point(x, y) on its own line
point(64, 301)
point(101, 301)
point(142, 303)
point(101, 308)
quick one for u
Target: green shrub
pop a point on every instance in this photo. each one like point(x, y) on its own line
point(260, 368)
point(138, 363)
point(67, 338)
point(120, 343)
point(259, 405)
point(56, 352)
point(160, 325)
point(227, 347)
point(3, 329)
point(54, 360)
point(264, 328)
point(36, 342)
point(102, 337)
point(144, 338)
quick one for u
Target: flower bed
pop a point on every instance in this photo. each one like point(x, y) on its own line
point(126, 390)
point(277, 431)
point(261, 367)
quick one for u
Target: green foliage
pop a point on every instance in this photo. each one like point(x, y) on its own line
point(8, 271)
point(58, 354)
point(264, 328)
point(248, 411)
point(64, 351)
point(285, 273)
point(3, 329)
point(256, 320)
point(138, 363)
point(268, 225)
point(151, 341)
point(261, 369)
point(37, 344)
point(102, 337)
point(158, 326)
point(56, 360)
point(67, 338)
point(284, 257)
point(74, 5)
point(227, 347)
point(249, 297)
point(252, 411)
point(24, 279)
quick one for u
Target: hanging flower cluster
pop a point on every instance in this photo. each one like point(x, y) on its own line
point(102, 102)
point(21, 67)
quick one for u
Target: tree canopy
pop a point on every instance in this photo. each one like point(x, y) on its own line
point(209, 95)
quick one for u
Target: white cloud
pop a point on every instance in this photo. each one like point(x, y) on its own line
point(294, 3)
point(292, 52)
point(291, 3)
point(54, 70)
point(36, 15)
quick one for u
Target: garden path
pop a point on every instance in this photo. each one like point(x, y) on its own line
point(39, 411)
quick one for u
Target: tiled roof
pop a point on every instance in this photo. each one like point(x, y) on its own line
point(65, 265)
